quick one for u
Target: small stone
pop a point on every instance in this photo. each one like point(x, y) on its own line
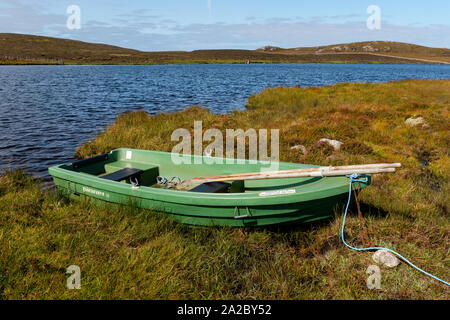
point(300, 147)
point(334, 143)
point(385, 258)
point(414, 122)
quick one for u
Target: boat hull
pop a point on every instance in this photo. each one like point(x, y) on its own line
point(262, 203)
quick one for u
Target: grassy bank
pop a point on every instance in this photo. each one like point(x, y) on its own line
point(221, 57)
point(124, 253)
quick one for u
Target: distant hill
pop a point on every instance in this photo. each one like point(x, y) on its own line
point(380, 48)
point(29, 49)
point(37, 48)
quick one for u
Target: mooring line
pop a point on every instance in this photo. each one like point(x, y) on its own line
point(356, 178)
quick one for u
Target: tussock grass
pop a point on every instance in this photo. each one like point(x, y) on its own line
point(124, 253)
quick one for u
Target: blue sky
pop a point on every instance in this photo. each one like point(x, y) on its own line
point(247, 24)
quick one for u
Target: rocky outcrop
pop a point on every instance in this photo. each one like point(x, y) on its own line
point(300, 147)
point(386, 258)
point(414, 122)
point(334, 143)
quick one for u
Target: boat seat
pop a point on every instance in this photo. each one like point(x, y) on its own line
point(212, 187)
point(123, 174)
point(85, 162)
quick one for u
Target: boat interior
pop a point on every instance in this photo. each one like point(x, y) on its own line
point(157, 170)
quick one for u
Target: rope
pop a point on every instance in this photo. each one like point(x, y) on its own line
point(168, 183)
point(355, 178)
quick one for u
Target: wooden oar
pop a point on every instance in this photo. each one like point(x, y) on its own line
point(314, 169)
point(297, 173)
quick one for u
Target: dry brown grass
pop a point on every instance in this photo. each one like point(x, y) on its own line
point(124, 253)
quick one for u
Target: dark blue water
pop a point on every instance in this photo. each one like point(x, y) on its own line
point(47, 111)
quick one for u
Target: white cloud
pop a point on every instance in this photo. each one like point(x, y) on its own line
point(20, 17)
point(140, 29)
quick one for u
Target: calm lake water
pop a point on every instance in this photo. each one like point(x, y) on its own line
point(47, 111)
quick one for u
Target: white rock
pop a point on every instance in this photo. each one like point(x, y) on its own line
point(300, 147)
point(368, 49)
point(334, 143)
point(413, 122)
point(385, 258)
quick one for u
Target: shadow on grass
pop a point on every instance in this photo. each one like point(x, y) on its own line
point(374, 211)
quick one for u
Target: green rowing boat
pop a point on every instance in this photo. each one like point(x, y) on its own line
point(141, 178)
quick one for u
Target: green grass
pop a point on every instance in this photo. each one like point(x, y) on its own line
point(126, 253)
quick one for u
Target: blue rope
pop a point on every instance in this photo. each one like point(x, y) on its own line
point(354, 178)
